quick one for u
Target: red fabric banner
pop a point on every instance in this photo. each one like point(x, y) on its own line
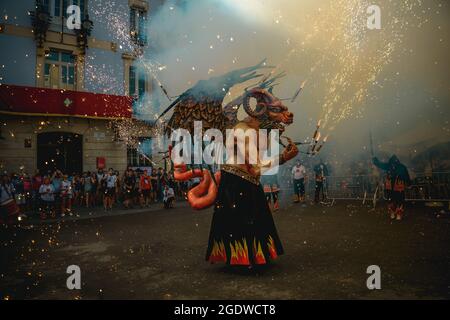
point(55, 102)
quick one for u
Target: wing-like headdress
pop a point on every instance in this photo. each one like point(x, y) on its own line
point(203, 102)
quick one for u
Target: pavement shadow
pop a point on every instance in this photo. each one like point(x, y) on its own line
point(246, 271)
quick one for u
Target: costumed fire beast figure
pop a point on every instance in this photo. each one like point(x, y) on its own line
point(242, 228)
point(396, 181)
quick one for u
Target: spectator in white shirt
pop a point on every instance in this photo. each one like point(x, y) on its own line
point(47, 192)
point(298, 175)
point(169, 197)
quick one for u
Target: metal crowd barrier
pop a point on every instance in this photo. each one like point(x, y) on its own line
point(424, 187)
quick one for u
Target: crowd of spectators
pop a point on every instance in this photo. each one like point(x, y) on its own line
point(58, 193)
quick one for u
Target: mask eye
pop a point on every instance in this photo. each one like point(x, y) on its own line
point(275, 109)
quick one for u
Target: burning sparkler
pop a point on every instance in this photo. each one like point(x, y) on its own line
point(316, 138)
point(323, 142)
point(298, 92)
point(314, 146)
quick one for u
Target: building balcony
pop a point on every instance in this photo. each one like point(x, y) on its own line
point(21, 100)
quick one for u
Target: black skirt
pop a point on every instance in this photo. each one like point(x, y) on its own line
point(242, 229)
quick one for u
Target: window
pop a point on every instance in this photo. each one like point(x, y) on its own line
point(140, 156)
point(59, 70)
point(60, 8)
point(46, 5)
point(142, 81)
point(137, 82)
point(132, 81)
point(82, 5)
point(138, 25)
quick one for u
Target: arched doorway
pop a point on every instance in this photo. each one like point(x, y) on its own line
point(60, 150)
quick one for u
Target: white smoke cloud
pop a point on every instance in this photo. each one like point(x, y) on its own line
point(356, 79)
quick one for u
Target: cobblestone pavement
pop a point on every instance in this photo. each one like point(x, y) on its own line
point(159, 254)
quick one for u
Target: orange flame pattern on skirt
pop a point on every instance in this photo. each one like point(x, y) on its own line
point(218, 253)
point(272, 250)
point(259, 255)
point(239, 252)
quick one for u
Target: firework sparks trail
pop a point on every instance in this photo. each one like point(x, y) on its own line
point(357, 70)
point(347, 49)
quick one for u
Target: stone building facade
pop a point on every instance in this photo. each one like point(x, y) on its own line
point(61, 94)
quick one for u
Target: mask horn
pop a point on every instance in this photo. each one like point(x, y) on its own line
point(261, 107)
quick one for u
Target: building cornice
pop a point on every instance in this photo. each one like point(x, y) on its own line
point(141, 4)
point(55, 37)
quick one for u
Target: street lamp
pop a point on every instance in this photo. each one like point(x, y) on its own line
point(84, 33)
point(40, 19)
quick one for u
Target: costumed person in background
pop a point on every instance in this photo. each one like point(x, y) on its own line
point(267, 191)
point(321, 172)
point(242, 228)
point(271, 188)
point(396, 181)
point(298, 177)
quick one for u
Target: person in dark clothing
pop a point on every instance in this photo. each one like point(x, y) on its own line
point(321, 172)
point(154, 181)
point(396, 180)
point(9, 210)
point(160, 184)
point(129, 185)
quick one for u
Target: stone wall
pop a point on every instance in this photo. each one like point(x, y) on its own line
point(98, 141)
